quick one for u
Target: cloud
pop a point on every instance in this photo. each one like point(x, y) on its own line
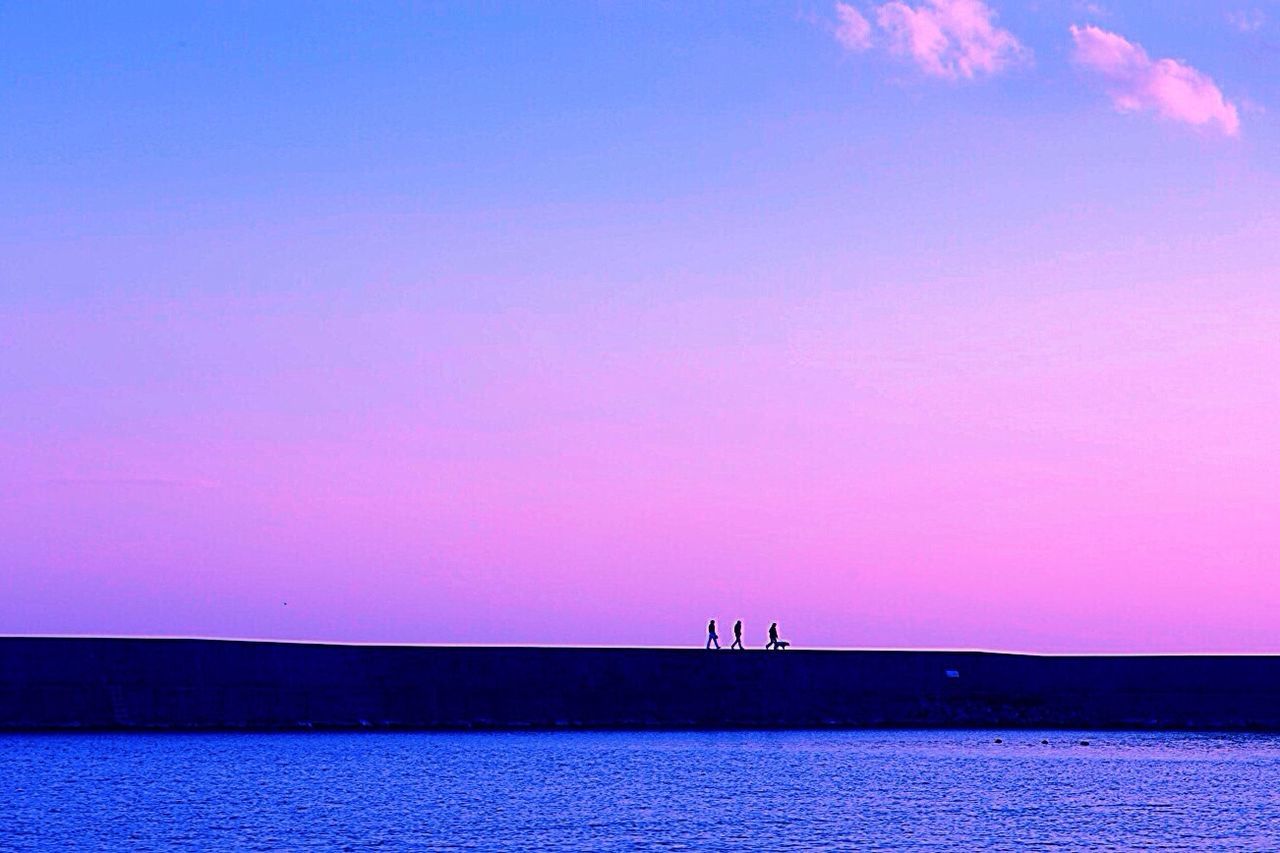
point(1247, 20)
point(951, 39)
point(853, 30)
point(1168, 87)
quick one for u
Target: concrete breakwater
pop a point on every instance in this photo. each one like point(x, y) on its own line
point(148, 684)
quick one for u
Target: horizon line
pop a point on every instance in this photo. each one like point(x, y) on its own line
point(692, 647)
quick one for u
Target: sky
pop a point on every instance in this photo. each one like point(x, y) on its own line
point(902, 323)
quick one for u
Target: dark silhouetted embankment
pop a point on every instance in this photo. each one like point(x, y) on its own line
point(89, 683)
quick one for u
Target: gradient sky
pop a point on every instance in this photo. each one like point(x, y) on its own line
point(923, 323)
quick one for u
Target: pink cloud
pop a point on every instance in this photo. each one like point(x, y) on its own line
point(853, 30)
point(1168, 87)
point(952, 39)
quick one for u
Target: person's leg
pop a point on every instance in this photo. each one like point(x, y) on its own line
point(716, 640)
point(708, 642)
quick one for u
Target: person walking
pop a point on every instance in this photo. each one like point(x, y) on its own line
point(773, 636)
point(737, 636)
point(711, 634)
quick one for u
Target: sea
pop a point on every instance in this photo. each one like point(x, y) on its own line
point(599, 791)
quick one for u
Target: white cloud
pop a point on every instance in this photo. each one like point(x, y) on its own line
point(950, 39)
point(853, 30)
point(1168, 87)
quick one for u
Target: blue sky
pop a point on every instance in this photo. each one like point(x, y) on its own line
point(275, 110)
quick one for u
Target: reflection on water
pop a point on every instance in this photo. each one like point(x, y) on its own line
point(619, 791)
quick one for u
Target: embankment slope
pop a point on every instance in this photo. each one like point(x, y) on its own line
point(191, 684)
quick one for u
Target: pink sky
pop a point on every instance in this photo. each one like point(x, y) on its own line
point(905, 324)
point(1087, 470)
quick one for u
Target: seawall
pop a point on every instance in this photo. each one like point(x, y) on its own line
point(158, 684)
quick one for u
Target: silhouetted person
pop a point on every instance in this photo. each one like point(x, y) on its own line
point(711, 634)
point(773, 636)
point(737, 635)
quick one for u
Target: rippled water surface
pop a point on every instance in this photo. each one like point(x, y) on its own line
point(619, 791)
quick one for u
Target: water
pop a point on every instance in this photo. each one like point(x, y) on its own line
point(622, 791)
